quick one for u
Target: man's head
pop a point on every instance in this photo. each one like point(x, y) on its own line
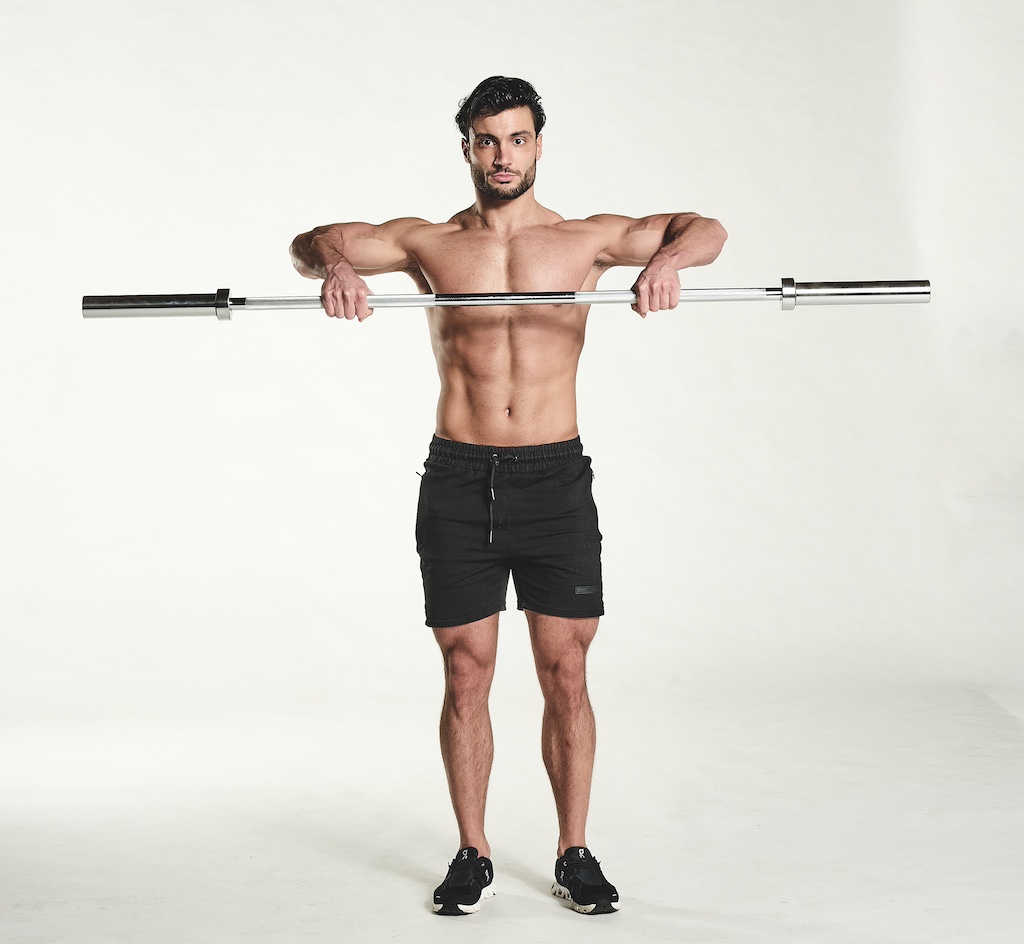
point(501, 121)
point(495, 95)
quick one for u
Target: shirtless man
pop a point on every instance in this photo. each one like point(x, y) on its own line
point(506, 484)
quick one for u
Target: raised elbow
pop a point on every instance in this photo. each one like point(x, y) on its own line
point(300, 253)
point(717, 235)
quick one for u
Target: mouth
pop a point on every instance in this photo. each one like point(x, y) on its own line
point(503, 177)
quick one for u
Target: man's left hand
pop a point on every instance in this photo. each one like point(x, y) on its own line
point(656, 289)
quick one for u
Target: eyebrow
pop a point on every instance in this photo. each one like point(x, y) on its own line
point(513, 134)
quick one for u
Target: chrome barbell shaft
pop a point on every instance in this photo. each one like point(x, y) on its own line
point(790, 294)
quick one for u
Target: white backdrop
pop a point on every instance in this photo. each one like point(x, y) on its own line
point(202, 522)
point(196, 512)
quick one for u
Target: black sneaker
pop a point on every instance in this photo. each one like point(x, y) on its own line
point(467, 883)
point(579, 879)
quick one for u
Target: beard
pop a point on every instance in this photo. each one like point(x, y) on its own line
point(508, 191)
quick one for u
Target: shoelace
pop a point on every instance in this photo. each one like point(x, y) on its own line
point(586, 870)
point(465, 870)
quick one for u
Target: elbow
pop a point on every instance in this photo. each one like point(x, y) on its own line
point(723, 235)
point(310, 252)
point(717, 235)
point(293, 253)
point(298, 251)
point(706, 237)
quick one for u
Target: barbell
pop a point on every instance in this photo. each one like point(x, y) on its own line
point(790, 294)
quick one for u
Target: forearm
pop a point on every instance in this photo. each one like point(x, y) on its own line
point(323, 253)
point(687, 240)
point(690, 240)
point(315, 253)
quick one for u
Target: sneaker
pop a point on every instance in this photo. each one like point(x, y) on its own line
point(579, 880)
point(467, 883)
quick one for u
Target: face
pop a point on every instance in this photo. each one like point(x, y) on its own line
point(502, 153)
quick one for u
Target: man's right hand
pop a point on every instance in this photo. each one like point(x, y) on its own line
point(344, 293)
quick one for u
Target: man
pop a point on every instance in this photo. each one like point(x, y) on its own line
point(506, 485)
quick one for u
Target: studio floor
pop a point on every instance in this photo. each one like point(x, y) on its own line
point(889, 816)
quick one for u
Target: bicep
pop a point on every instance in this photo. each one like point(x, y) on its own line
point(632, 242)
point(371, 249)
point(383, 248)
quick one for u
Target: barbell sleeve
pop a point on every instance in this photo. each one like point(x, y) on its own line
point(789, 294)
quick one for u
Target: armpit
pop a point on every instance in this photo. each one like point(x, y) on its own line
point(414, 272)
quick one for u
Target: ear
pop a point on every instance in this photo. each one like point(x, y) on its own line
point(540, 145)
point(465, 150)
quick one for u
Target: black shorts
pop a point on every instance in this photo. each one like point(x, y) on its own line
point(485, 512)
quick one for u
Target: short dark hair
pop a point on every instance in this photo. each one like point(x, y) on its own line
point(497, 94)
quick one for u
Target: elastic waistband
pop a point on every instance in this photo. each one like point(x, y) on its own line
point(511, 458)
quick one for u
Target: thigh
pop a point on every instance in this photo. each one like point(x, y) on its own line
point(557, 544)
point(560, 644)
point(476, 642)
point(470, 648)
point(465, 578)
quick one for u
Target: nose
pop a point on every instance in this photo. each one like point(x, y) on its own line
point(502, 155)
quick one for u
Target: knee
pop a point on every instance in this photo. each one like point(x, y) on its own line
point(564, 681)
point(467, 677)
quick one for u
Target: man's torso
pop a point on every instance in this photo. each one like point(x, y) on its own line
point(508, 374)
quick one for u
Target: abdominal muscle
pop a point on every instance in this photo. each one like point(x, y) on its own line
point(508, 376)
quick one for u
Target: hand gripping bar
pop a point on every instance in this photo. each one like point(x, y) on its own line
point(790, 294)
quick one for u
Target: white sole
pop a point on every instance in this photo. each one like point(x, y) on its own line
point(560, 891)
point(488, 892)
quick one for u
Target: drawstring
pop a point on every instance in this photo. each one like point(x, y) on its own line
point(496, 460)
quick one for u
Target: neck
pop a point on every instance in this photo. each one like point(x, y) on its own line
point(507, 214)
